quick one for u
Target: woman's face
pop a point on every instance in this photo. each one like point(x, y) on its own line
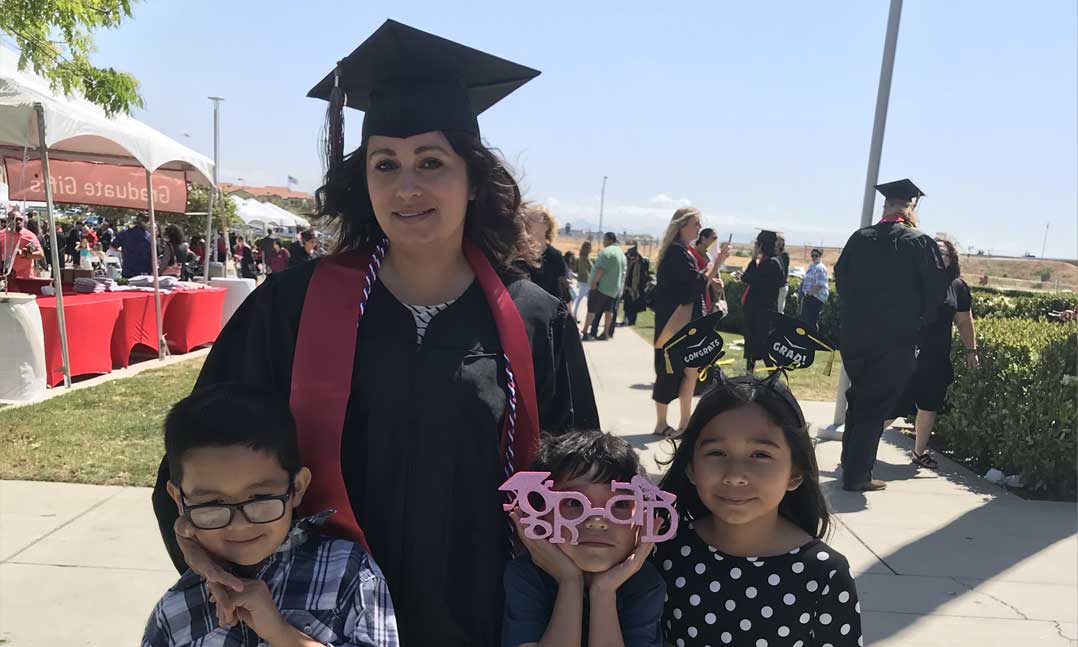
point(418, 187)
point(945, 253)
point(690, 230)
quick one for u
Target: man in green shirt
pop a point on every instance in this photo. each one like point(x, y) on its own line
point(606, 283)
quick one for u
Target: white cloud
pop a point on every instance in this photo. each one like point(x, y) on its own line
point(663, 199)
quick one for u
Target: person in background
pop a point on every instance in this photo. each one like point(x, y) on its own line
point(679, 289)
point(764, 278)
point(605, 285)
point(551, 274)
point(814, 290)
point(582, 269)
point(71, 247)
point(134, 242)
point(243, 256)
point(105, 234)
point(222, 247)
point(784, 258)
point(265, 248)
point(637, 278)
point(699, 251)
point(570, 262)
point(278, 257)
point(299, 252)
point(890, 281)
point(89, 234)
point(927, 390)
point(20, 245)
point(32, 225)
point(198, 248)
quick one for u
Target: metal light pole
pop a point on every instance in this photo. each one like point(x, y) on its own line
point(1044, 245)
point(879, 124)
point(211, 243)
point(602, 199)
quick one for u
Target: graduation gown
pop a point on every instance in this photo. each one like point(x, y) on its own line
point(760, 303)
point(419, 454)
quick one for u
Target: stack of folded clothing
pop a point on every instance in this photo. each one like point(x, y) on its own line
point(109, 284)
point(146, 281)
point(85, 285)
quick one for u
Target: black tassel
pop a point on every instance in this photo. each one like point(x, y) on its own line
point(333, 128)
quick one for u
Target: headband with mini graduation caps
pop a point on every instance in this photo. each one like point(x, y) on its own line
point(408, 82)
point(698, 344)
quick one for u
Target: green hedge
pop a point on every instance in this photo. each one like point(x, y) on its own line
point(1019, 411)
point(1013, 304)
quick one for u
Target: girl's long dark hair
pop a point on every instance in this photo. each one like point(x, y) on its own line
point(494, 220)
point(805, 506)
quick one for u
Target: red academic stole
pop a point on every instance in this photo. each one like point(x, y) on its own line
point(323, 365)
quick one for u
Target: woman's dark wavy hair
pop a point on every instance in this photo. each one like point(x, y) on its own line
point(955, 270)
point(494, 220)
point(805, 506)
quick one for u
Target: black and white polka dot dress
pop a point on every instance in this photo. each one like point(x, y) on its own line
point(804, 598)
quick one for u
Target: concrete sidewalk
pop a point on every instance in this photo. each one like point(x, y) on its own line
point(940, 558)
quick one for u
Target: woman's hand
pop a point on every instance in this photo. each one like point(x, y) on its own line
point(547, 556)
point(972, 361)
point(219, 581)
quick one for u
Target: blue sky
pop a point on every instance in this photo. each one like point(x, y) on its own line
point(757, 113)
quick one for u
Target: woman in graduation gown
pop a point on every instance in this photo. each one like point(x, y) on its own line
point(679, 299)
point(764, 277)
point(410, 421)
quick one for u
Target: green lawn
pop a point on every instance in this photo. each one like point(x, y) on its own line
point(809, 384)
point(107, 434)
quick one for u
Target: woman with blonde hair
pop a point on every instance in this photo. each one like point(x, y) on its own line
point(551, 274)
point(679, 292)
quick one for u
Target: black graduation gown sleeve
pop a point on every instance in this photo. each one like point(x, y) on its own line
point(678, 282)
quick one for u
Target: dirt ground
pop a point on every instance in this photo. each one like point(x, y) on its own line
point(1002, 272)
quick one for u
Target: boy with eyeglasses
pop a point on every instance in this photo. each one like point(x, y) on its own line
point(236, 478)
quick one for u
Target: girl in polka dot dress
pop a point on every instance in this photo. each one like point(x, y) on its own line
point(747, 567)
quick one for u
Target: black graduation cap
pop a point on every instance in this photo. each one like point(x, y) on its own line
point(698, 343)
point(901, 189)
point(792, 343)
point(410, 82)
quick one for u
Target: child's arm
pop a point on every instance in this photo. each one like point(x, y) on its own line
point(564, 629)
point(838, 613)
point(604, 627)
point(370, 619)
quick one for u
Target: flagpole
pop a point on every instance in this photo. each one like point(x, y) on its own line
point(879, 124)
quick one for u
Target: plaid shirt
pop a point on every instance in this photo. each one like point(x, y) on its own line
point(816, 278)
point(330, 589)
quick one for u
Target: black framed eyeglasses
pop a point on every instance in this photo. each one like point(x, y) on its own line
point(214, 516)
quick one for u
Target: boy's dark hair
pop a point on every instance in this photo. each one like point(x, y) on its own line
point(805, 506)
point(574, 454)
point(227, 415)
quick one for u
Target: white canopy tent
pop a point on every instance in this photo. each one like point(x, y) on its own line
point(71, 128)
point(261, 215)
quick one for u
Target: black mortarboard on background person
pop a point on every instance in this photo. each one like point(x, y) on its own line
point(901, 189)
point(408, 82)
point(698, 344)
point(792, 344)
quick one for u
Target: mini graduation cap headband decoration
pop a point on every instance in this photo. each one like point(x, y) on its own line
point(792, 345)
point(408, 82)
point(698, 344)
point(636, 506)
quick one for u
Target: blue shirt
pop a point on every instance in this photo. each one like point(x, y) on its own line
point(135, 243)
point(529, 602)
point(330, 589)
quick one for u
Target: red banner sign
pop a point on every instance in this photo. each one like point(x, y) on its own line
point(93, 183)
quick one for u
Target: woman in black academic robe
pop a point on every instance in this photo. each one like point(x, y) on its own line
point(763, 278)
point(429, 397)
point(679, 299)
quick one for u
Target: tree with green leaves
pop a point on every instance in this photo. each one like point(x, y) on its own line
point(55, 38)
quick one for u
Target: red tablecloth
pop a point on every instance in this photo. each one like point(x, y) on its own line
point(193, 318)
point(90, 320)
point(136, 325)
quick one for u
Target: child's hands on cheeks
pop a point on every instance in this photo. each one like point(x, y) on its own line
point(547, 556)
point(610, 580)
